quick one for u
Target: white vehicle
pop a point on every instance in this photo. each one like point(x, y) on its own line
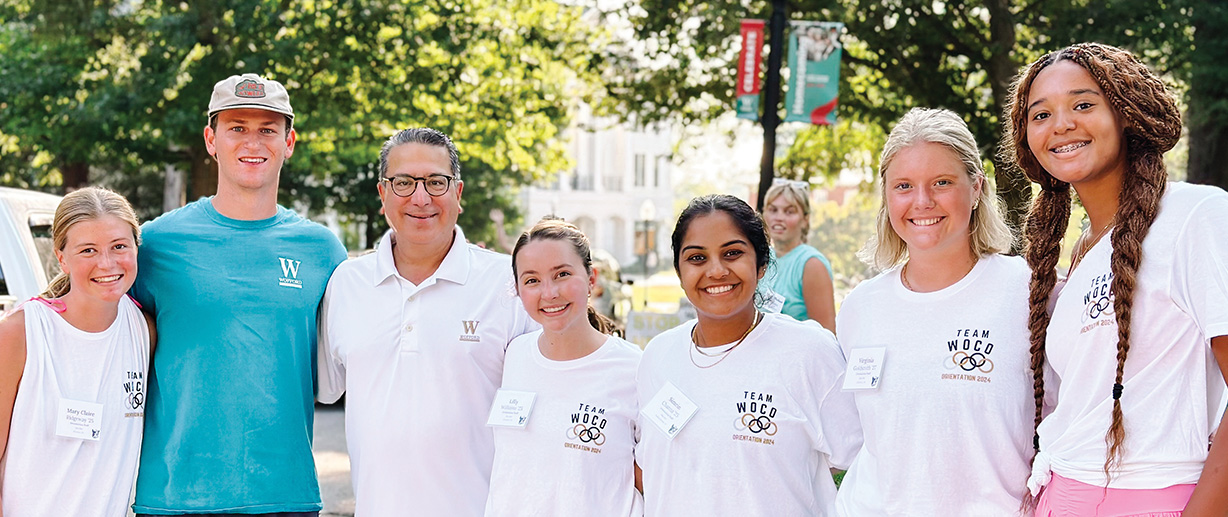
point(27, 257)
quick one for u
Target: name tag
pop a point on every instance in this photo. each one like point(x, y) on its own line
point(670, 410)
point(864, 369)
point(79, 420)
point(772, 302)
point(511, 409)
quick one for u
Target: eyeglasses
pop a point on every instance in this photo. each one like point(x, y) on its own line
point(801, 185)
point(404, 186)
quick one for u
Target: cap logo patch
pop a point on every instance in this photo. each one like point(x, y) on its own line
point(249, 89)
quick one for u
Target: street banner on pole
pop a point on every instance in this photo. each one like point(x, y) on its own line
point(748, 69)
point(814, 72)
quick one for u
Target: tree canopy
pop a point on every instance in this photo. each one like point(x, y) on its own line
point(959, 55)
point(117, 92)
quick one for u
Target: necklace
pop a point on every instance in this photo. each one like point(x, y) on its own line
point(1085, 245)
point(904, 273)
point(722, 355)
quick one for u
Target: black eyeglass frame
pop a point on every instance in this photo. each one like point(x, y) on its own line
point(447, 184)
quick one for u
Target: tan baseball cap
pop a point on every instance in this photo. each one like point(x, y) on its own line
point(250, 91)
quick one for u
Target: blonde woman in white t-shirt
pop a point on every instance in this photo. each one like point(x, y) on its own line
point(72, 370)
point(1126, 346)
point(742, 412)
point(574, 454)
point(947, 426)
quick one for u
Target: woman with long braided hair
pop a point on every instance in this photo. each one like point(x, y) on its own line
point(1125, 347)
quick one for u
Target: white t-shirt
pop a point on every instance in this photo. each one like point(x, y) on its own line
point(421, 364)
point(785, 378)
point(45, 473)
point(948, 431)
point(1173, 391)
point(576, 455)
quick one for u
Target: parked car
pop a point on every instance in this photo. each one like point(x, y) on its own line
point(27, 257)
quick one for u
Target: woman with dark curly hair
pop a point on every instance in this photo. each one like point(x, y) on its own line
point(1130, 338)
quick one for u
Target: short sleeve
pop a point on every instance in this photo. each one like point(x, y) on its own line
point(838, 425)
point(330, 369)
point(1200, 266)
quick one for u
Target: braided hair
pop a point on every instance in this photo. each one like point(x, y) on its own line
point(1152, 125)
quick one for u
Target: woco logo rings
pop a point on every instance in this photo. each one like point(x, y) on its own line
point(586, 434)
point(1100, 306)
point(760, 424)
point(974, 361)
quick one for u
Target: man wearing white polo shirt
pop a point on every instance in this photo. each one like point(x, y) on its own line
point(415, 334)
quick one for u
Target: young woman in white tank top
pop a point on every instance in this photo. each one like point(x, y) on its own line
point(73, 366)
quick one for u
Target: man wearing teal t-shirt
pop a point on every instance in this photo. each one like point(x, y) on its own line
point(235, 283)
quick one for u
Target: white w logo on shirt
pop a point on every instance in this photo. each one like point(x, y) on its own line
point(289, 267)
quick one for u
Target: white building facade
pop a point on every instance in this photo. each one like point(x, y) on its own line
point(619, 186)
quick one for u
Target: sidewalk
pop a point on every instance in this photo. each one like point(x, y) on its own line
point(333, 462)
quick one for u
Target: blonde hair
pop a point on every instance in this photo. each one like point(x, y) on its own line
point(794, 195)
point(82, 205)
point(988, 230)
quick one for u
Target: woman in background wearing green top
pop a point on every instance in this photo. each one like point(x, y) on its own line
point(800, 273)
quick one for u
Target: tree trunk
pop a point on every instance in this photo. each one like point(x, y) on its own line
point(204, 173)
point(174, 189)
point(1208, 161)
point(75, 175)
point(1013, 188)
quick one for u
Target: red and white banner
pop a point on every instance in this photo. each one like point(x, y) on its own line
point(748, 69)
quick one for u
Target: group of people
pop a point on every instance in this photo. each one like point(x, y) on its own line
point(470, 391)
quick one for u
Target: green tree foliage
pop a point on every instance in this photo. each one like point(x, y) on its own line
point(959, 55)
point(124, 87)
point(820, 152)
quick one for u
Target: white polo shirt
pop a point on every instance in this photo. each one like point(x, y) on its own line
point(421, 364)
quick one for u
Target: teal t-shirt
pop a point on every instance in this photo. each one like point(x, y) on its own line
point(785, 278)
point(228, 422)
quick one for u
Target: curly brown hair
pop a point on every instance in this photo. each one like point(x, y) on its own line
point(1152, 125)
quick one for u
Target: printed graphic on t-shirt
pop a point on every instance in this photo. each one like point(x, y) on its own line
point(586, 432)
point(1098, 304)
point(969, 356)
point(469, 331)
point(754, 418)
point(289, 273)
point(134, 389)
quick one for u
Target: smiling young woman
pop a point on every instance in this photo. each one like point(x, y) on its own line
point(771, 418)
point(581, 427)
point(948, 316)
point(1130, 338)
point(78, 353)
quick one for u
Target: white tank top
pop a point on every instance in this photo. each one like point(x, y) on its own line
point(43, 473)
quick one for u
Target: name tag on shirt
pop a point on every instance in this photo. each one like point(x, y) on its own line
point(79, 420)
point(670, 410)
point(511, 409)
point(865, 368)
point(773, 302)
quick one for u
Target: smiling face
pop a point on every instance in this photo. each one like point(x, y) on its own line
point(421, 218)
point(717, 267)
point(553, 284)
point(785, 220)
point(99, 257)
point(929, 198)
point(250, 146)
point(1072, 129)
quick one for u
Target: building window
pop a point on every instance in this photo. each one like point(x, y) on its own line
point(639, 170)
point(656, 172)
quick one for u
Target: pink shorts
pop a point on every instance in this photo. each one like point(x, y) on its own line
point(1064, 497)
